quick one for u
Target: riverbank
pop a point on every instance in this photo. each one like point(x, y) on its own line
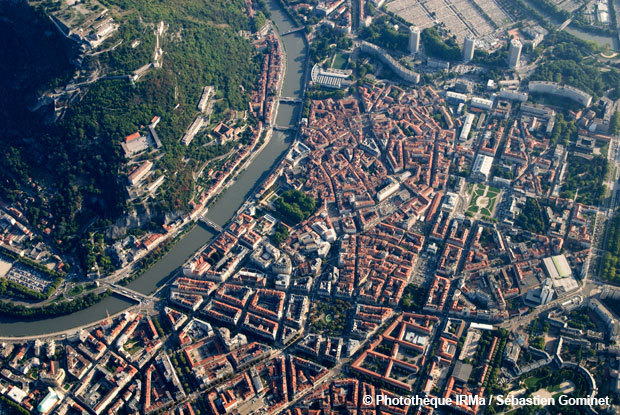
point(241, 169)
point(229, 201)
point(577, 30)
point(67, 332)
point(156, 254)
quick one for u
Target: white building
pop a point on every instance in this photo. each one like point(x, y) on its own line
point(514, 54)
point(414, 39)
point(482, 167)
point(50, 350)
point(482, 103)
point(140, 172)
point(455, 97)
point(537, 110)
point(331, 78)
point(511, 95)
point(564, 91)
point(469, 45)
point(605, 315)
point(546, 291)
point(469, 119)
point(400, 70)
point(207, 93)
point(558, 269)
point(450, 202)
point(602, 12)
point(387, 191)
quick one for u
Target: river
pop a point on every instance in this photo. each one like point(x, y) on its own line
point(220, 212)
point(601, 40)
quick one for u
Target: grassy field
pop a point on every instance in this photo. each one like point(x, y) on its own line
point(341, 61)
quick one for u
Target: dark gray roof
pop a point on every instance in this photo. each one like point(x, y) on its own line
point(462, 371)
point(155, 136)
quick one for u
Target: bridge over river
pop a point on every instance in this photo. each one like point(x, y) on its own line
point(220, 212)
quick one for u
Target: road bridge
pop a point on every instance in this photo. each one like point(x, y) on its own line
point(129, 293)
point(210, 224)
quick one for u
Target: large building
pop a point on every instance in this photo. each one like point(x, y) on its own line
point(331, 78)
point(394, 65)
point(414, 39)
point(361, 15)
point(546, 291)
point(48, 403)
point(514, 54)
point(482, 167)
point(542, 295)
point(513, 95)
point(564, 91)
point(482, 103)
point(455, 97)
point(469, 45)
point(326, 8)
point(558, 269)
point(605, 315)
point(537, 110)
point(388, 190)
point(140, 172)
point(469, 119)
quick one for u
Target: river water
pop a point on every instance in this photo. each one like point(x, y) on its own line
point(601, 40)
point(220, 212)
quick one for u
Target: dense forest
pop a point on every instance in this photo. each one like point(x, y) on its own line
point(9, 309)
point(564, 129)
point(126, 58)
point(584, 179)
point(323, 38)
point(78, 160)
point(24, 71)
point(295, 206)
point(532, 217)
point(611, 259)
point(436, 47)
point(496, 59)
point(382, 33)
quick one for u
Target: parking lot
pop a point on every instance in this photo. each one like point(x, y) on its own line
point(28, 277)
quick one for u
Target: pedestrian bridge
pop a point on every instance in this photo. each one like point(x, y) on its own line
point(284, 127)
point(297, 29)
point(210, 224)
point(291, 100)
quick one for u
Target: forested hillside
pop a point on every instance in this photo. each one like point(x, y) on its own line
point(32, 57)
point(77, 160)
